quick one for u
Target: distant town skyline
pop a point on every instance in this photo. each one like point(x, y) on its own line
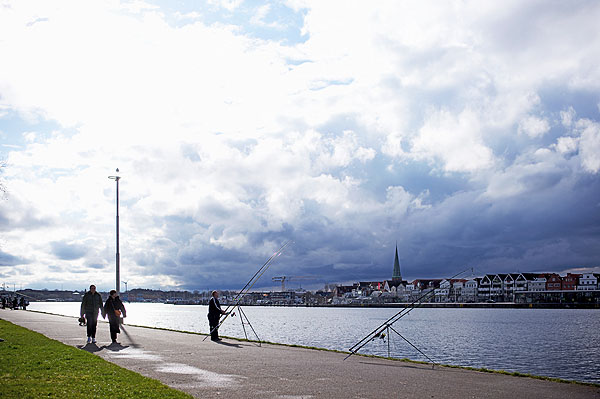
point(466, 132)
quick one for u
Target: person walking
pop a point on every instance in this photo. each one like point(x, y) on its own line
point(114, 308)
point(90, 304)
point(214, 314)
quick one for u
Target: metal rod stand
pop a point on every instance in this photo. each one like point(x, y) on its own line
point(410, 343)
point(242, 317)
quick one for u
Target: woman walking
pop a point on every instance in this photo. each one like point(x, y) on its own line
point(114, 308)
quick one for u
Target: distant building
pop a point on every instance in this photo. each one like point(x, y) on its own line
point(538, 283)
point(485, 286)
point(396, 275)
point(469, 292)
point(522, 282)
point(554, 282)
point(569, 282)
point(425, 289)
point(343, 290)
point(442, 292)
point(588, 282)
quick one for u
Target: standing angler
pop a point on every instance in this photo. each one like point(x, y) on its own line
point(90, 304)
point(214, 314)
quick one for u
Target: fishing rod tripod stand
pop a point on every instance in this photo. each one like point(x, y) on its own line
point(246, 290)
point(247, 322)
point(381, 335)
point(387, 325)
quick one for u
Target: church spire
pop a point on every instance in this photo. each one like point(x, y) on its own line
point(396, 275)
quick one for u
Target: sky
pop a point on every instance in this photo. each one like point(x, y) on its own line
point(467, 133)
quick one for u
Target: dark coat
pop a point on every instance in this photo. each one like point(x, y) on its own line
point(91, 303)
point(214, 310)
point(109, 308)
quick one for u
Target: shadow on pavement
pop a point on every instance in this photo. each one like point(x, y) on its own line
point(115, 347)
point(90, 348)
point(133, 343)
point(400, 364)
point(228, 344)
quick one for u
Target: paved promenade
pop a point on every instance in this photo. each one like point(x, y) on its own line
point(233, 369)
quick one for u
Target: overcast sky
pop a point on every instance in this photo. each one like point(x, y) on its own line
point(467, 132)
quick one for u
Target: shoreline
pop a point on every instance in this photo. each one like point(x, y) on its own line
point(202, 368)
point(440, 305)
point(395, 359)
point(406, 360)
point(480, 305)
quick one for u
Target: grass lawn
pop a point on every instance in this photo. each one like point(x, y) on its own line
point(33, 366)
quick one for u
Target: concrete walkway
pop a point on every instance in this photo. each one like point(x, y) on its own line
point(233, 369)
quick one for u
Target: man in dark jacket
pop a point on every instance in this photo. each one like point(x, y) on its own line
point(90, 304)
point(114, 308)
point(214, 314)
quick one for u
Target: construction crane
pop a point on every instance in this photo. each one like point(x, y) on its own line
point(283, 279)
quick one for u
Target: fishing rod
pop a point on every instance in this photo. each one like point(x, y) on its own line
point(389, 322)
point(239, 296)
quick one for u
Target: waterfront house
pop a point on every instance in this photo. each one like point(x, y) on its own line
point(369, 286)
point(570, 281)
point(485, 286)
point(411, 292)
point(553, 282)
point(456, 290)
point(588, 282)
point(497, 288)
point(538, 283)
point(522, 281)
point(469, 291)
point(425, 288)
point(393, 285)
point(508, 286)
point(441, 294)
point(343, 290)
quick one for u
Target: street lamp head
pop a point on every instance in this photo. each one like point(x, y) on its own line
point(115, 177)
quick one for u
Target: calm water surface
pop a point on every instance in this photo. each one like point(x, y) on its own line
point(560, 343)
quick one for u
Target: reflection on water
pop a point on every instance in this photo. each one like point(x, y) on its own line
point(560, 343)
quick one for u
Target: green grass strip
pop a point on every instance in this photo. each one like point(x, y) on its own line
point(34, 366)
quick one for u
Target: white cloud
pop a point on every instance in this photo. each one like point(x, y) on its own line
point(567, 117)
point(456, 141)
point(589, 145)
point(260, 15)
point(225, 140)
point(567, 145)
point(229, 5)
point(533, 126)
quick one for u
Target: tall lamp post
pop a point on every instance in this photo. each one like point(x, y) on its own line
point(118, 255)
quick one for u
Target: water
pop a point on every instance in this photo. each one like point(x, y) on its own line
point(560, 343)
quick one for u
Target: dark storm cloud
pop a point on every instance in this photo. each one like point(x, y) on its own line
point(18, 215)
point(551, 225)
point(535, 231)
point(7, 259)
